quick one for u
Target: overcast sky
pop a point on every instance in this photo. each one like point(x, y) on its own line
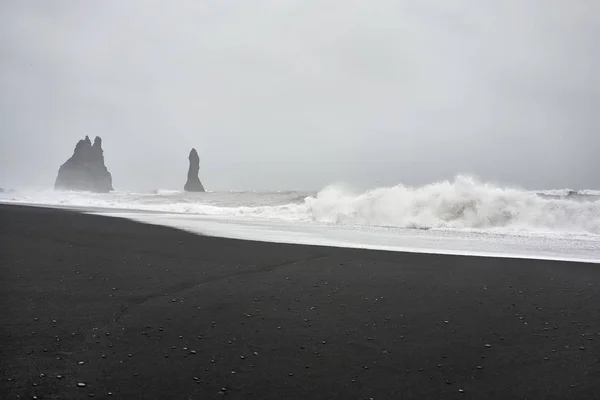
point(296, 94)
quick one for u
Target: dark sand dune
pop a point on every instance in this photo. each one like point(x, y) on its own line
point(144, 312)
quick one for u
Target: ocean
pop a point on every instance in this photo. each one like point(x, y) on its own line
point(462, 216)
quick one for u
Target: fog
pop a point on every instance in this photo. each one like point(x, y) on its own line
point(281, 94)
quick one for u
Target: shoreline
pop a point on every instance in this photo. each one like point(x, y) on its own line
point(156, 312)
point(491, 244)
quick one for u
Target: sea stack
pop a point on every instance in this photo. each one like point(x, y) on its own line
point(85, 170)
point(193, 183)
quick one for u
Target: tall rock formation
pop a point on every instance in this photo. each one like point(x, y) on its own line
point(193, 183)
point(85, 170)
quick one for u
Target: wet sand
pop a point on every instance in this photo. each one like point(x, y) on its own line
point(135, 311)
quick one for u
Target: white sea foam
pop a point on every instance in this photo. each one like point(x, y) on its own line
point(463, 204)
point(588, 192)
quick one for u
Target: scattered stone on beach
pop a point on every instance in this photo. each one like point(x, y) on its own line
point(356, 345)
point(85, 170)
point(193, 183)
point(81, 385)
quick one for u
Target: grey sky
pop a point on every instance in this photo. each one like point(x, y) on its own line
point(282, 94)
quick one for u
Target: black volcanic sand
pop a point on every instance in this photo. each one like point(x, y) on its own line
point(142, 312)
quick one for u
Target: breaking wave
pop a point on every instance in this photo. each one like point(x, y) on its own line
point(463, 203)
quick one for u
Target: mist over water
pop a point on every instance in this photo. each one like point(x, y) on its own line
point(294, 95)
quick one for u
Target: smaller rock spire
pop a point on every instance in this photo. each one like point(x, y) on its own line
point(193, 183)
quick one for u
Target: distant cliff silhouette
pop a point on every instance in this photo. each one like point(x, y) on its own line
point(193, 183)
point(85, 170)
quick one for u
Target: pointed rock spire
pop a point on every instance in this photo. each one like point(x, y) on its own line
point(193, 183)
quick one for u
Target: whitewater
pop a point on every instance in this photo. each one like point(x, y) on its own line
point(462, 216)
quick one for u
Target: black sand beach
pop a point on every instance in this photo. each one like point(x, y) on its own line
point(142, 312)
